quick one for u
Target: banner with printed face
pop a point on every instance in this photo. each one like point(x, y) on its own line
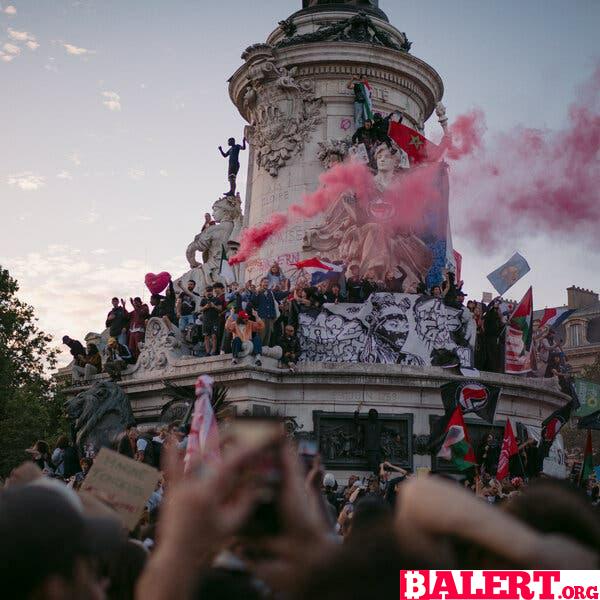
point(404, 329)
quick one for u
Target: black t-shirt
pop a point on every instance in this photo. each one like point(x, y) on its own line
point(211, 315)
point(119, 321)
point(359, 95)
point(234, 154)
point(188, 304)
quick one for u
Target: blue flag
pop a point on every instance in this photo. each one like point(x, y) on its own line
point(505, 276)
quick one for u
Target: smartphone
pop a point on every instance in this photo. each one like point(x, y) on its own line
point(267, 433)
point(307, 450)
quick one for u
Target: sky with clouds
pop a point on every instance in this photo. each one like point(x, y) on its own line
point(112, 112)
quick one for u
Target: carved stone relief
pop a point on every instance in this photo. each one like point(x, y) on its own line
point(283, 110)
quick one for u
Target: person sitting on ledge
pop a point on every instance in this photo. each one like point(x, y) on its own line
point(75, 346)
point(117, 358)
point(291, 348)
point(245, 332)
point(89, 365)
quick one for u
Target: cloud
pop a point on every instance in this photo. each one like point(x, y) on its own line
point(136, 174)
point(163, 173)
point(20, 36)
point(11, 49)
point(76, 50)
point(113, 100)
point(64, 175)
point(71, 291)
point(10, 10)
point(141, 218)
point(26, 181)
point(6, 57)
point(32, 45)
point(74, 158)
point(99, 251)
point(91, 218)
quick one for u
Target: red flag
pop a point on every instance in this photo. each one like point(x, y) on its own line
point(509, 448)
point(418, 148)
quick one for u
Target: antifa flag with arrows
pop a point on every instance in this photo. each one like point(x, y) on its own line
point(472, 397)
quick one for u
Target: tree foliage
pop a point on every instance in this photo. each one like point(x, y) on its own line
point(30, 403)
point(592, 372)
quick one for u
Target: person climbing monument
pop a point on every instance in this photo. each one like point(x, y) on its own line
point(234, 162)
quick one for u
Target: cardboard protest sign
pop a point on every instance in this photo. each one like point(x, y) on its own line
point(126, 483)
point(506, 275)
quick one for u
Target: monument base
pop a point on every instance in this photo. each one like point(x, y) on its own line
point(319, 401)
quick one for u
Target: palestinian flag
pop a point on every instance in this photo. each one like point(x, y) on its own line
point(554, 423)
point(367, 94)
point(587, 468)
point(519, 336)
point(509, 448)
point(225, 270)
point(417, 146)
point(456, 447)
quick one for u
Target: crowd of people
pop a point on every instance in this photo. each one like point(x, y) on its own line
point(242, 320)
point(264, 522)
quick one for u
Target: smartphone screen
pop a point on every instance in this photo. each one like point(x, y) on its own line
point(265, 472)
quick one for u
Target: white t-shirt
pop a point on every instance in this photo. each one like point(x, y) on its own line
point(141, 445)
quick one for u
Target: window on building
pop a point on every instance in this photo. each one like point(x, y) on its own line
point(576, 334)
point(593, 331)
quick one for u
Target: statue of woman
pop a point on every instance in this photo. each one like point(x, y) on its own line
point(368, 233)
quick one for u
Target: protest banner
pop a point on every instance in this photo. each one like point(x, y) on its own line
point(589, 396)
point(125, 483)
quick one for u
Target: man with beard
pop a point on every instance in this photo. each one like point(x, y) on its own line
point(387, 331)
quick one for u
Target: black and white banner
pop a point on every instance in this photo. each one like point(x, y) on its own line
point(389, 328)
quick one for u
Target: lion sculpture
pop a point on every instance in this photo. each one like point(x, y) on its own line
point(99, 414)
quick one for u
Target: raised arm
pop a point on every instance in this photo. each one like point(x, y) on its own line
point(243, 143)
point(224, 154)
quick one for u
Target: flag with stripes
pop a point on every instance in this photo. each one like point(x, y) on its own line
point(203, 440)
point(518, 337)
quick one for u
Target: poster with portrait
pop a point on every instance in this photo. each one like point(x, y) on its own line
point(405, 329)
point(506, 275)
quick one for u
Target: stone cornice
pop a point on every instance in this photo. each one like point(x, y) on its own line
point(185, 372)
point(341, 60)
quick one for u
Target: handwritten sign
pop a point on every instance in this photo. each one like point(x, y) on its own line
point(125, 483)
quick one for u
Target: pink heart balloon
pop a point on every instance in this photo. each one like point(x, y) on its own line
point(157, 283)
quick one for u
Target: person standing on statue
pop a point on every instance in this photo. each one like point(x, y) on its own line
point(362, 99)
point(234, 162)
